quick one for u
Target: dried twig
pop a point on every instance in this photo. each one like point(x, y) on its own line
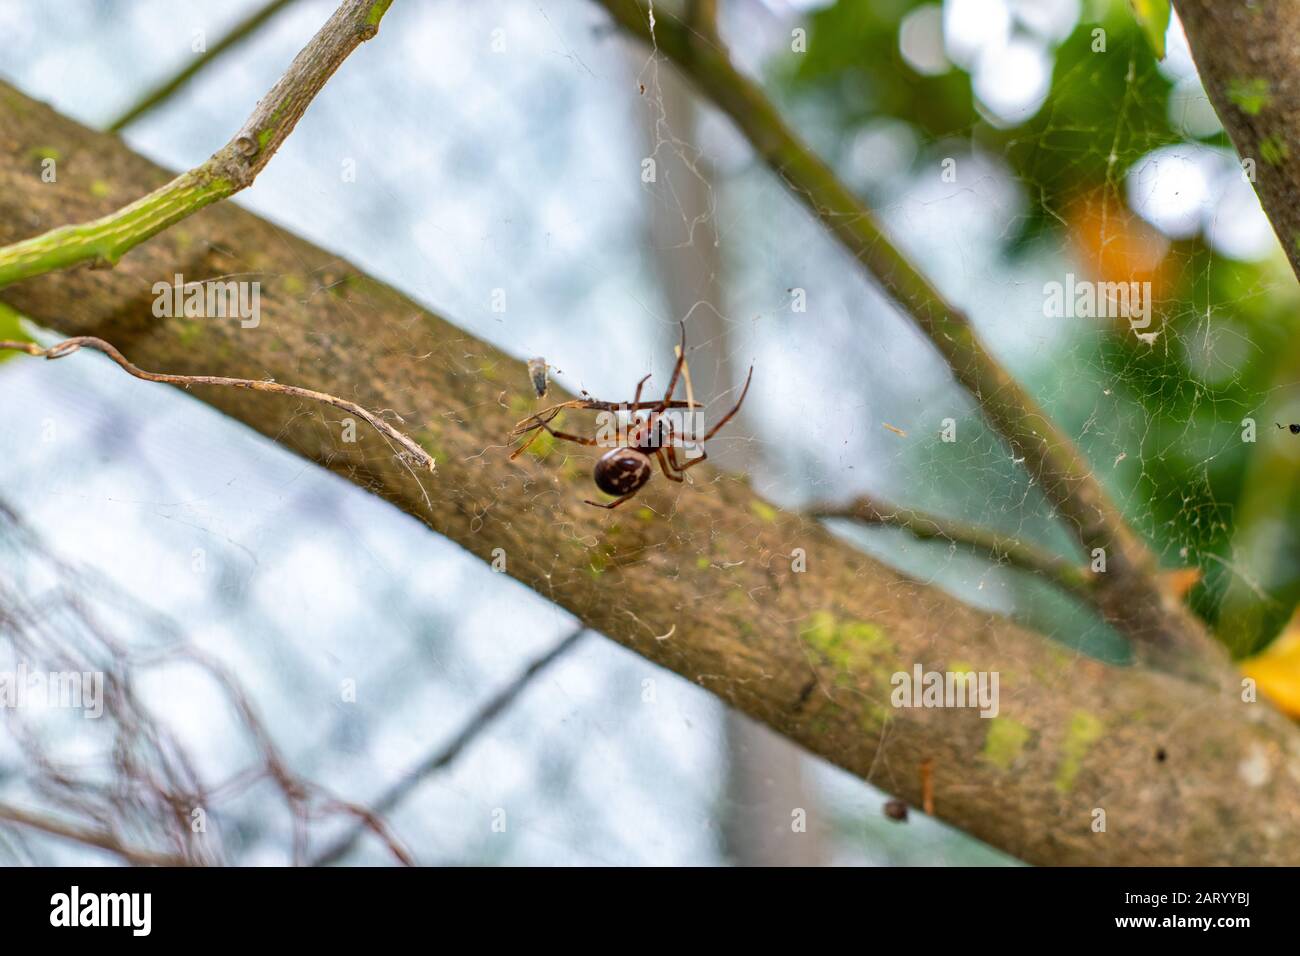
point(103, 839)
point(412, 453)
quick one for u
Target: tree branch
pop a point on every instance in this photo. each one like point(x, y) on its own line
point(1164, 633)
point(698, 578)
point(1249, 63)
point(105, 240)
point(998, 547)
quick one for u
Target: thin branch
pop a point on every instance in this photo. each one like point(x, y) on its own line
point(443, 757)
point(702, 16)
point(998, 547)
point(163, 91)
point(412, 453)
point(103, 839)
point(1164, 632)
point(233, 167)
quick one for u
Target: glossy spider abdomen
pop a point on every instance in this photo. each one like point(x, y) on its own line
point(621, 471)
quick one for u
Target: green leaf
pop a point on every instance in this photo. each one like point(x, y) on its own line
point(1153, 17)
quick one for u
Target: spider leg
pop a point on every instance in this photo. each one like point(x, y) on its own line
point(663, 463)
point(727, 417)
point(565, 436)
point(669, 446)
point(694, 461)
point(549, 414)
point(538, 427)
point(690, 462)
point(636, 400)
point(524, 447)
point(677, 372)
point(613, 504)
point(672, 386)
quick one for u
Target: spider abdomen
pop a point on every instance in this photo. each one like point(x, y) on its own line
point(621, 471)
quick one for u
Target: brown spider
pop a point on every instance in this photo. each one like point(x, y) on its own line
point(624, 469)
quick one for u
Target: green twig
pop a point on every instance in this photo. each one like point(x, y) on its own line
point(232, 168)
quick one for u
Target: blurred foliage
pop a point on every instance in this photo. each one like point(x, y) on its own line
point(1277, 670)
point(1153, 18)
point(1195, 488)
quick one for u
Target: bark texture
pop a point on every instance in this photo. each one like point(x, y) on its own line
point(697, 579)
point(1248, 55)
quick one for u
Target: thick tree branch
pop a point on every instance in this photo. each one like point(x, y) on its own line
point(1164, 632)
point(698, 578)
point(106, 239)
point(1249, 62)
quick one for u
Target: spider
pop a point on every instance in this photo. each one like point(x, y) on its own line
point(1295, 429)
point(625, 469)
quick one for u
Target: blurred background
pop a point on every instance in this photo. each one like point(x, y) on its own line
point(230, 588)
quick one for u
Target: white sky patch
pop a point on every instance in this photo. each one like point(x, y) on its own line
point(198, 709)
point(881, 150)
point(920, 41)
point(1190, 189)
point(1170, 188)
point(1013, 81)
point(1052, 20)
point(15, 27)
point(973, 28)
point(564, 227)
point(439, 56)
point(1190, 110)
point(1235, 224)
point(1178, 56)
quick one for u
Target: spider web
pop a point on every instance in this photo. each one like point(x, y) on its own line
point(499, 124)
